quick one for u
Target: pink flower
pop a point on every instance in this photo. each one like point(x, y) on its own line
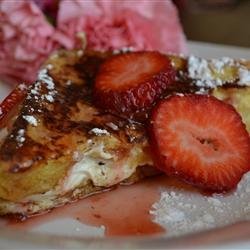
point(151, 25)
point(26, 39)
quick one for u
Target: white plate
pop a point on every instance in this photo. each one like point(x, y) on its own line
point(63, 234)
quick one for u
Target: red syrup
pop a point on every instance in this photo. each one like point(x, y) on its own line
point(123, 211)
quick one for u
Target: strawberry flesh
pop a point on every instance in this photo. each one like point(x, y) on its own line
point(201, 140)
point(132, 82)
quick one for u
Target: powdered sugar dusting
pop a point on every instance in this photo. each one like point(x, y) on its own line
point(30, 119)
point(244, 77)
point(43, 80)
point(183, 211)
point(202, 71)
point(99, 132)
point(44, 77)
point(22, 86)
point(198, 68)
point(20, 138)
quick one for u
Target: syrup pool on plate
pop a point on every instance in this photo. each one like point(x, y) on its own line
point(123, 211)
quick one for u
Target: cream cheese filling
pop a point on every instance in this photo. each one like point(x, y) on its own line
point(101, 167)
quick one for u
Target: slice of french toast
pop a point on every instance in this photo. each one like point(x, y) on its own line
point(57, 147)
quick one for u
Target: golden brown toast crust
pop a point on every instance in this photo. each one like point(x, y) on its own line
point(39, 151)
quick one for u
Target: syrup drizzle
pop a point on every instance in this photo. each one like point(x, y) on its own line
point(123, 211)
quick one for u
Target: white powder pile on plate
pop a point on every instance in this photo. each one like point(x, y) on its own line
point(183, 211)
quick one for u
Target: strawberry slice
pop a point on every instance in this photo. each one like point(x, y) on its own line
point(201, 140)
point(12, 100)
point(130, 82)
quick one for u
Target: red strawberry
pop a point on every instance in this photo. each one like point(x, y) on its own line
point(11, 100)
point(130, 82)
point(200, 140)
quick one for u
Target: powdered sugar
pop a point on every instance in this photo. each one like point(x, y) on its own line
point(202, 71)
point(183, 211)
point(199, 69)
point(20, 137)
point(44, 77)
point(219, 64)
point(30, 119)
point(49, 98)
point(22, 86)
point(244, 77)
point(99, 132)
point(43, 80)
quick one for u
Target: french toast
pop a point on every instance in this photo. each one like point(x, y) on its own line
point(57, 147)
point(60, 147)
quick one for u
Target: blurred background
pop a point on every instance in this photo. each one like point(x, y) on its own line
point(216, 21)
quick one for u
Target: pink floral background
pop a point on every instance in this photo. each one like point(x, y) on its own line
point(31, 30)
